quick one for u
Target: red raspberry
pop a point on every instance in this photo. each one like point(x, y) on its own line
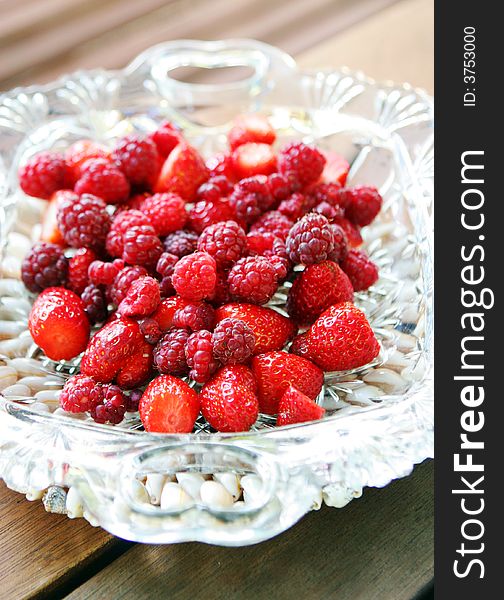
point(250, 128)
point(84, 223)
point(199, 356)
point(166, 137)
point(225, 241)
point(141, 299)
point(205, 213)
point(293, 207)
point(169, 355)
point(311, 240)
point(133, 203)
point(80, 394)
point(81, 152)
point(166, 212)
point(253, 280)
point(360, 269)
point(181, 243)
point(281, 187)
point(138, 159)
point(296, 407)
point(331, 193)
point(215, 188)
point(301, 162)
point(221, 294)
point(164, 267)
point(352, 231)
point(142, 246)
point(340, 243)
point(221, 164)
point(78, 266)
point(195, 316)
point(150, 330)
point(132, 401)
point(103, 273)
point(95, 304)
point(43, 175)
point(330, 212)
point(233, 341)
point(113, 406)
point(251, 197)
point(44, 266)
point(364, 203)
point(121, 223)
point(122, 282)
point(268, 245)
point(102, 178)
point(195, 276)
point(274, 222)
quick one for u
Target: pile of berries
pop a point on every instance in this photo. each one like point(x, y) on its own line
point(171, 261)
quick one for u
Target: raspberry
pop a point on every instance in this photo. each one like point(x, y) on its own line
point(150, 330)
point(280, 186)
point(142, 246)
point(251, 197)
point(122, 282)
point(253, 280)
point(166, 137)
point(195, 317)
point(352, 231)
point(44, 266)
point(225, 241)
point(43, 175)
point(221, 294)
point(166, 212)
point(293, 207)
point(266, 244)
point(169, 356)
point(103, 273)
point(102, 178)
point(84, 223)
point(131, 402)
point(274, 222)
point(121, 223)
point(133, 203)
point(364, 203)
point(221, 164)
point(340, 243)
point(95, 304)
point(331, 193)
point(199, 356)
point(360, 269)
point(195, 276)
point(166, 263)
point(215, 188)
point(138, 159)
point(205, 213)
point(78, 266)
point(80, 153)
point(311, 240)
point(181, 243)
point(302, 162)
point(113, 405)
point(233, 341)
point(141, 299)
point(80, 394)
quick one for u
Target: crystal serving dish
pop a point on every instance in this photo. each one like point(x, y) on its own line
point(379, 419)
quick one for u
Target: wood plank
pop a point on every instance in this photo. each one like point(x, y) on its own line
point(39, 550)
point(377, 547)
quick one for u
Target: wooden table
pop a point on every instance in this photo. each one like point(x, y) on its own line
point(380, 546)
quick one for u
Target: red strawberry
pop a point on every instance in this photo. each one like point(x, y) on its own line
point(166, 137)
point(228, 405)
point(254, 159)
point(271, 329)
point(240, 374)
point(295, 407)
point(336, 168)
point(117, 352)
point(251, 128)
point(59, 324)
point(275, 371)
point(339, 340)
point(50, 232)
point(169, 405)
point(166, 311)
point(318, 287)
point(182, 173)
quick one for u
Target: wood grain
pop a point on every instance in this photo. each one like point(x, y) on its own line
point(378, 547)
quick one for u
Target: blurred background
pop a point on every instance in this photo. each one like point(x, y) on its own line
point(42, 39)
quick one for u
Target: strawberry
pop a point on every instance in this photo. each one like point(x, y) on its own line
point(240, 374)
point(339, 340)
point(295, 407)
point(315, 289)
point(275, 371)
point(336, 168)
point(168, 405)
point(182, 173)
point(166, 311)
point(166, 137)
point(271, 329)
point(227, 404)
point(118, 351)
point(58, 323)
point(254, 159)
point(50, 232)
point(250, 128)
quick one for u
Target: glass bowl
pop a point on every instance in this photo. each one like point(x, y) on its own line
point(379, 419)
